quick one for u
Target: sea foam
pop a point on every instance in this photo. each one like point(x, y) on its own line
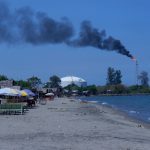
point(104, 103)
point(133, 112)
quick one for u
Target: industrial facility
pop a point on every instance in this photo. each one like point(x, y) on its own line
point(68, 80)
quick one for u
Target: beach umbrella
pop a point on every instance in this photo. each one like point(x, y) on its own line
point(8, 92)
point(49, 94)
point(21, 93)
point(29, 92)
point(2, 91)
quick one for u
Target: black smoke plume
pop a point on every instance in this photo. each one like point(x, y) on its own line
point(90, 36)
point(38, 28)
point(27, 26)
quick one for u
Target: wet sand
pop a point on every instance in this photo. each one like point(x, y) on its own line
point(68, 124)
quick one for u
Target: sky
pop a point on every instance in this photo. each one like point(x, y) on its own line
point(127, 21)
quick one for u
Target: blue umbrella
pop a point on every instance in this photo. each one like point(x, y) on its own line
point(29, 92)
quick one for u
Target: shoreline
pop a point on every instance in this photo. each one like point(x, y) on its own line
point(127, 116)
point(122, 112)
point(133, 94)
point(118, 111)
point(70, 124)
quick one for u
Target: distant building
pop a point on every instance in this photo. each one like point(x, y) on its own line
point(16, 87)
point(6, 83)
point(65, 81)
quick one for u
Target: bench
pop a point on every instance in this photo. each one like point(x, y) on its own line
point(11, 108)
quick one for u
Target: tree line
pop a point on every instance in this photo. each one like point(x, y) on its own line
point(113, 84)
point(34, 82)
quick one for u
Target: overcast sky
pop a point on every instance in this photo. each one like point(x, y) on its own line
point(126, 20)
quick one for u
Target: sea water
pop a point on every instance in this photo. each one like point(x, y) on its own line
point(135, 106)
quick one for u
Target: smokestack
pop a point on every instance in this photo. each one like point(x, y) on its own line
point(136, 70)
point(27, 26)
point(137, 73)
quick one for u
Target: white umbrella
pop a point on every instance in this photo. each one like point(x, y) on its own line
point(8, 92)
point(49, 94)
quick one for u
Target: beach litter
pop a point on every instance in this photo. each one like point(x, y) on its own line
point(64, 103)
point(72, 100)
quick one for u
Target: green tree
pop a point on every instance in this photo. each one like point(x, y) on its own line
point(144, 79)
point(34, 82)
point(113, 76)
point(110, 76)
point(22, 83)
point(102, 89)
point(3, 77)
point(133, 89)
point(118, 77)
point(120, 89)
point(92, 89)
point(54, 81)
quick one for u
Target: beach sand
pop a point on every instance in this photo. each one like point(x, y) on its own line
point(68, 124)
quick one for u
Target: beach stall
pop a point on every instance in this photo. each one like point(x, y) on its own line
point(3, 101)
point(49, 96)
point(8, 94)
point(13, 95)
point(31, 98)
point(9, 99)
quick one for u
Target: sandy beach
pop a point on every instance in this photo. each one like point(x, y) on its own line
point(68, 124)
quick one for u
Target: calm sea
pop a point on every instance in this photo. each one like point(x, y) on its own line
point(135, 106)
